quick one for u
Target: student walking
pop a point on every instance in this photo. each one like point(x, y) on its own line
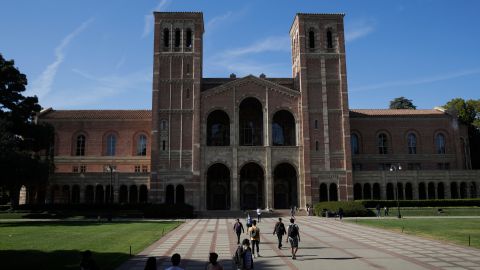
point(279, 230)
point(213, 264)
point(259, 214)
point(249, 221)
point(243, 256)
point(254, 233)
point(378, 210)
point(293, 237)
point(238, 229)
point(292, 211)
point(175, 262)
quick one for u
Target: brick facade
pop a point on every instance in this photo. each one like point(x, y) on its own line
point(231, 143)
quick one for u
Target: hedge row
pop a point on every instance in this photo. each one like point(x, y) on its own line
point(118, 210)
point(350, 208)
point(420, 203)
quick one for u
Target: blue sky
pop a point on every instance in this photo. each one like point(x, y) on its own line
point(98, 54)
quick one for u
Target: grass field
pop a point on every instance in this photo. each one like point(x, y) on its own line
point(433, 211)
point(57, 245)
point(455, 230)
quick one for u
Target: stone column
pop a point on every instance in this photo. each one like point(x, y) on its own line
point(235, 185)
point(268, 200)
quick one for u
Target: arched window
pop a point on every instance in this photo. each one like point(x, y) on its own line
point(218, 129)
point(311, 39)
point(333, 192)
point(317, 146)
point(180, 195)
point(329, 39)
point(188, 40)
point(166, 38)
point(354, 143)
point(412, 143)
point(283, 129)
point(357, 191)
point(111, 144)
point(382, 143)
point(142, 145)
point(80, 146)
point(440, 143)
point(177, 38)
point(251, 122)
point(376, 191)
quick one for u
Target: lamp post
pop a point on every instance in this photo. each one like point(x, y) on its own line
point(111, 169)
point(393, 169)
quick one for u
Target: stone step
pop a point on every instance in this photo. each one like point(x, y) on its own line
point(242, 215)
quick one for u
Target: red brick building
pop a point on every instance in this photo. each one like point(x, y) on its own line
point(230, 143)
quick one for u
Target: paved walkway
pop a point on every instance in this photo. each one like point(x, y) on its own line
point(326, 244)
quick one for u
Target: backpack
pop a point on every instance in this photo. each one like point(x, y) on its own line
point(247, 260)
point(293, 231)
point(254, 232)
point(279, 228)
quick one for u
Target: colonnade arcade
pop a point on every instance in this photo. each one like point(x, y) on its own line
point(252, 187)
point(98, 194)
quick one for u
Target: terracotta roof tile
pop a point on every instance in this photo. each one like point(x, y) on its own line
point(395, 112)
point(96, 114)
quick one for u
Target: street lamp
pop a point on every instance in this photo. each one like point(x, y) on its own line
point(394, 168)
point(111, 169)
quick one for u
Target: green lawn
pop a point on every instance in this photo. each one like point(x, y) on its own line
point(57, 245)
point(433, 211)
point(455, 230)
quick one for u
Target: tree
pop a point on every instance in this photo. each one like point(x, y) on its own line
point(402, 103)
point(468, 112)
point(25, 158)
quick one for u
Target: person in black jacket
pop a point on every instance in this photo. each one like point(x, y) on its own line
point(243, 256)
point(279, 230)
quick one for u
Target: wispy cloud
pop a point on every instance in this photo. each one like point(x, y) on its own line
point(417, 81)
point(217, 20)
point(148, 25)
point(358, 30)
point(120, 62)
point(42, 85)
point(244, 60)
point(98, 89)
point(269, 44)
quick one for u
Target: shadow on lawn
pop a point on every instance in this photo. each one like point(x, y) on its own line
point(58, 259)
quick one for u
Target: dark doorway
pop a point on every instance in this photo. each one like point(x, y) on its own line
point(251, 186)
point(408, 191)
point(99, 194)
point(376, 191)
point(431, 191)
point(333, 192)
point(357, 191)
point(285, 186)
point(367, 192)
point(143, 194)
point(170, 195)
point(180, 194)
point(323, 192)
point(390, 192)
point(422, 193)
point(440, 191)
point(453, 190)
point(218, 187)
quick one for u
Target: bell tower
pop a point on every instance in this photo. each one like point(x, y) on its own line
point(177, 73)
point(319, 72)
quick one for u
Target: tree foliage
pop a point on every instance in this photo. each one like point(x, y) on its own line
point(402, 103)
point(24, 144)
point(468, 112)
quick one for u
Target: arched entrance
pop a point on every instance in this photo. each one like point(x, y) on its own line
point(285, 186)
point(180, 195)
point(218, 187)
point(323, 192)
point(251, 122)
point(251, 186)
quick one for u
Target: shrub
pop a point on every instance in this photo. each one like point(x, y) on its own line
point(350, 208)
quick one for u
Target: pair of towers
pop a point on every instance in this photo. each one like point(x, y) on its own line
point(319, 75)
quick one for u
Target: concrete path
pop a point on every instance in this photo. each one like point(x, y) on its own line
point(325, 244)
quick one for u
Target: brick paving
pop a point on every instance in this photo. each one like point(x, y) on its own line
point(326, 244)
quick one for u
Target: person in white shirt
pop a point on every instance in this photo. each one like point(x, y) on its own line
point(259, 214)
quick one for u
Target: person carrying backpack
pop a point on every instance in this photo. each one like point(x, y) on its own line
point(293, 237)
point(254, 233)
point(243, 256)
point(238, 229)
point(280, 231)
